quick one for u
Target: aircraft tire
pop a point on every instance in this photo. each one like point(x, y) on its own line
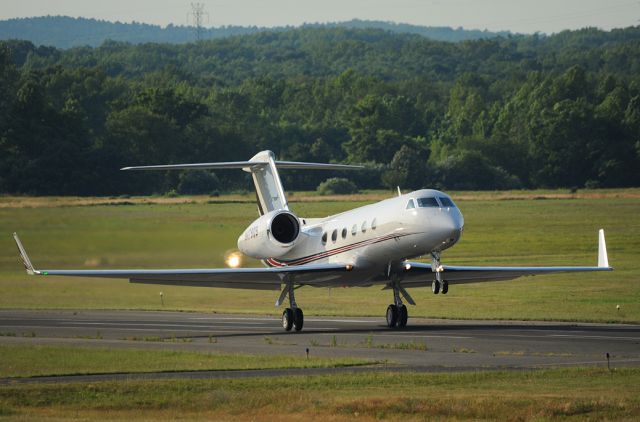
point(435, 287)
point(445, 287)
point(298, 319)
point(287, 319)
point(392, 316)
point(403, 316)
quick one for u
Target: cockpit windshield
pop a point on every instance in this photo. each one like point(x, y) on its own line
point(429, 202)
point(432, 202)
point(446, 202)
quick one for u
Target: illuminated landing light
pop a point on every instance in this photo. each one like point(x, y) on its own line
point(407, 266)
point(233, 259)
point(349, 267)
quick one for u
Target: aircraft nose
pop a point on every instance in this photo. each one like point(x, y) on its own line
point(455, 224)
point(452, 226)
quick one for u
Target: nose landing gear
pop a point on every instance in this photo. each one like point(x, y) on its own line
point(438, 284)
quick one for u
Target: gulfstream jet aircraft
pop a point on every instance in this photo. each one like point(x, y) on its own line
point(370, 245)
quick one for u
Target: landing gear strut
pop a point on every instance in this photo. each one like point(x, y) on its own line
point(292, 317)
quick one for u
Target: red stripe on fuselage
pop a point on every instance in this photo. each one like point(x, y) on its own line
point(324, 254)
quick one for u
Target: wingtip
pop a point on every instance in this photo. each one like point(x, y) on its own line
point(603, 259)
point(23, 255)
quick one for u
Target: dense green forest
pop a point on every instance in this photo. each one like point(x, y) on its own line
point(520, 111)
point(67, 32)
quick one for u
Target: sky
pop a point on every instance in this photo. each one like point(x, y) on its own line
point(524, 16)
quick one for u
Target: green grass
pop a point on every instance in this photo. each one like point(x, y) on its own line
point(561, 394)
point(28, 361)
point(526, 231)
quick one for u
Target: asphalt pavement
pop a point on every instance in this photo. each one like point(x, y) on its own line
point(424, 345)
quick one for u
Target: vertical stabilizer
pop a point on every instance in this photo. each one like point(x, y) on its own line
point(267, 181)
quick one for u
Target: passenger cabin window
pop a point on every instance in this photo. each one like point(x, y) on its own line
point(344, 233)
point(324, 238)
point(364, 227)
point(446, 202)
point(429, 202)
point(410, 205)
point(354, 230)
point(374, 224)
point(334, 236)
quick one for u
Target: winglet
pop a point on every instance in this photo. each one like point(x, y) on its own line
point(25, 258)
point(603, 260)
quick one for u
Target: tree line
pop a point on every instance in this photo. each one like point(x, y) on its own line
point(512, 112)
point(68, 32)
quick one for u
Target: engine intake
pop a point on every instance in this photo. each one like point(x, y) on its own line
point(271, 236)
point(285, 227)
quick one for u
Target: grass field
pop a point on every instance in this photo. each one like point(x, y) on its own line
point(524, 230)
point(29, 361)
point(561, 394)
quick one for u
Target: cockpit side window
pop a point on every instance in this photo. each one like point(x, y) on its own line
point(446, 202)
point(410, 205)
point(428, 202)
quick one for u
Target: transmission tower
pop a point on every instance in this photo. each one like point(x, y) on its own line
point(197, 17)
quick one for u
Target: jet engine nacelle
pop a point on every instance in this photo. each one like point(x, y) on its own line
point(270, 236)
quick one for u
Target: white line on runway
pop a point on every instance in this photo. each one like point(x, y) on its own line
point(357, 321)
point(234, 319)
point(242, 330)
point(490, 334)
point(596, 337)
point(143, 324)
point(401, 334)
point(590, 362)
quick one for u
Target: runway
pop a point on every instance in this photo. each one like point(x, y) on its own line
point(424, 345)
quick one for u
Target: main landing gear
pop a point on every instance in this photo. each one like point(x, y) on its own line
point(397, 314)
point(292, 317)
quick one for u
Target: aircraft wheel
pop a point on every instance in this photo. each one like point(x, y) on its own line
point(403, 316)
point(435, 287)
point(392, 316)
point(287, 319)
point(445, 287)
point(298, 319)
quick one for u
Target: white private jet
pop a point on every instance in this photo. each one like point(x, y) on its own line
point(366, 246)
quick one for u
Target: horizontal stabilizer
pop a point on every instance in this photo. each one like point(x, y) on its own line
point(200, 166)
point(247, 165)
point(264, 172)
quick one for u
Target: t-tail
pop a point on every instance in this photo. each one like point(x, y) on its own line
point(264, 170)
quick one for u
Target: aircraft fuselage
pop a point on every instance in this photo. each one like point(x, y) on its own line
point(377, 235)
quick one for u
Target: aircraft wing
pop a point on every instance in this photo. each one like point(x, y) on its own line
point(421, 274)
point(238, 278)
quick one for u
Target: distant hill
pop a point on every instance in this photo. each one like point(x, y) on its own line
point(502, 113)
point(66, 32)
